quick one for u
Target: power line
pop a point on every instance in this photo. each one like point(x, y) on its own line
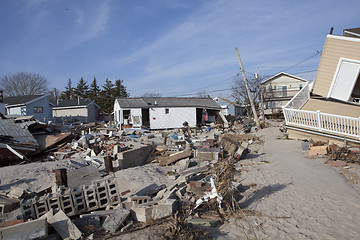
point(317, 53)
point(206, 92)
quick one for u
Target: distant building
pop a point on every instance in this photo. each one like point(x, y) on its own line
point(163, 113)
point(278, 90)
point(36, 105)
point(229, 108)
point(75, 110)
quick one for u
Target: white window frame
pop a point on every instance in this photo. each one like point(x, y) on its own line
point(336, 75)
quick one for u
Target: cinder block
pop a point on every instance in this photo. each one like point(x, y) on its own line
point(78, 200)
point(66, 202)
point(116, 220)
point(164, 208)
point(114, 197)
point(90, 197)
point(143, 212)
point(53, 201)
point(27, 209)
point(137, 200)
point(28, 230)
point(102, 194)
point(40, 206)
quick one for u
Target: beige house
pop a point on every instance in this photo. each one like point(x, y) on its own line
point(76, 110)
point(278, 90)
point(331, 109)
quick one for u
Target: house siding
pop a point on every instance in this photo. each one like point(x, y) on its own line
point(46, 115)
point(175, 118)
point(334, 48)
point(332, 108)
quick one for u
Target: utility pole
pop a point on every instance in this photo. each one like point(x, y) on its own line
point(248, 91)
point(261, 94)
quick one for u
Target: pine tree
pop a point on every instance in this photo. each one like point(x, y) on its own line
point(82, 89)
point(106, 101)
point(120, 90)
point(94, 90)
point(69, 91)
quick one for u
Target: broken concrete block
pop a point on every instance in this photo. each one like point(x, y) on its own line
point(134, 157)
point(40, 206)
point(142, 213)
point(62, 224)
point(184, 164)
point(8, 204)
point(164, 208)
point(175, 157)
point(90, 196)
point(27, 209)
point(137, 200)
point(116, 220)
point(17, 193)
point(66, 203)
point(78, 200)
point(88, 224)
point(28, 230)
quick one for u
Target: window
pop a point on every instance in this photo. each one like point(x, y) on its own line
point(38, 110)
point(284, 91)
point(167, 111)
point(344, 80)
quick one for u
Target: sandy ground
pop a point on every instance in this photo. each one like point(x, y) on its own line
point(315, 200)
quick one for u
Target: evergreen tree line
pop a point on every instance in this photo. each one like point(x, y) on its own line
point(104, 97)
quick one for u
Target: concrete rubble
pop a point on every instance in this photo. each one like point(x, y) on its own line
point(88, 198)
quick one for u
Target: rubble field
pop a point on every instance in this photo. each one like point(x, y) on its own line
point(210, 183)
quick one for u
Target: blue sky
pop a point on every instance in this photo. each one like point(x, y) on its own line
point(169, 47)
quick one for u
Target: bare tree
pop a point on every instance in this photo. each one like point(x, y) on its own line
point(148, 94)
point(23, 83)
point(202, 94)
point(238, 90)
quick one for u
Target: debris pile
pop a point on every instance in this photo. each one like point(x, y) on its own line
point(86, 198)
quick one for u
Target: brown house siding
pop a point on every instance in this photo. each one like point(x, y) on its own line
point(334, 48)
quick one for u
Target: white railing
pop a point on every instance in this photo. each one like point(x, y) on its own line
point(345, 126)
point(300, 98)
point(341, 125)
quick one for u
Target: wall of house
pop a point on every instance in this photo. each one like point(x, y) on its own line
point(117, 112)
point(227, 108)
point(46, 115)
point(175, 118)
point(277, 84)
point(336, 108)
point(334, 48)
point(70, 114)
point(93, 113)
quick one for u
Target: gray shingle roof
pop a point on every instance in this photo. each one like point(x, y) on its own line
point(16, 130)
point(148, 102)
point(20, 99)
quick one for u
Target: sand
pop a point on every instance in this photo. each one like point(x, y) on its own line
point(316, 201)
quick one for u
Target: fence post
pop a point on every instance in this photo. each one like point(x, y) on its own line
point(286, 119)
point(319, 120)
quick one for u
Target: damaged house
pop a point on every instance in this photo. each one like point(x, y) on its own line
point(164, 113)
point(331, 109)
point(29, 105)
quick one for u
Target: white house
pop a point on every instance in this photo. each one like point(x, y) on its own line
point(278, 90)
point(36, 105)
point(73, 110)
point(163, 113)
point(229, 108)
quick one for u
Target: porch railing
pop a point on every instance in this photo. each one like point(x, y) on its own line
point(337, 124)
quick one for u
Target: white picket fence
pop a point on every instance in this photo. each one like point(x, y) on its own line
point(341, 125)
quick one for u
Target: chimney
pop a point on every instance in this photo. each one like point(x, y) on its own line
point(155, 103)
point(331, 30)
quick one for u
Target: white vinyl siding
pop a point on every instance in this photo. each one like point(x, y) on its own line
point(344, 79)
point(175, 118)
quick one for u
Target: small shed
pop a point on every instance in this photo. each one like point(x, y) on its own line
point(164, 113)
point(229, 108)
point(75, 110)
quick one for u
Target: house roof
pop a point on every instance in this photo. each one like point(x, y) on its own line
point(353, 32)
point(17, 131)
point(21, 100)
point(225, 100)
point(148, 102)
point(286, 74)
point(74, 103)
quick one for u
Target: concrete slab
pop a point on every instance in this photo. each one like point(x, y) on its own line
point(116, 220)
point(24, 231)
